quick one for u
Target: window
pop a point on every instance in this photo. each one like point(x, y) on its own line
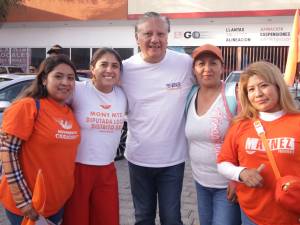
point(11, 92)
point(37, 56)
point(12, 69)
point(19, 57)
point(4, 56)
point(123, 52)
point(274, 54)
point(81, 58)
point(66, 51)
point(2, 70)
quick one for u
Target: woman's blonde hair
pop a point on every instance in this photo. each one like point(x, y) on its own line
point(271, 74)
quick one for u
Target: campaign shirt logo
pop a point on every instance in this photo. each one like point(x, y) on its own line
point(173, 85)
point(66, 133)
point(105, 106)
point(67, 125)
point(280, 144)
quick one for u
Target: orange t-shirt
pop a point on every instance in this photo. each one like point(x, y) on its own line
point(50, 143)
point(243, 147)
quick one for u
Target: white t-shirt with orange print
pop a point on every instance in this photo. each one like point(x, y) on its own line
point(50, 144)
point(205, 136)
point(101, 117)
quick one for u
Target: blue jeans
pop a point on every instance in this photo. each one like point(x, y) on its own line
point(246, 220)
point(15, 219)
point(148, 185)
point(214, 208)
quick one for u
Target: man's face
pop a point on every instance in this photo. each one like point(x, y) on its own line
point(152, 38)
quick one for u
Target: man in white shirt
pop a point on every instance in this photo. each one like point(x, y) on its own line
point(156, 82)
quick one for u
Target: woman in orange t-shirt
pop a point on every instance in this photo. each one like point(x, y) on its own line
point(264, 96)
point(40, 133)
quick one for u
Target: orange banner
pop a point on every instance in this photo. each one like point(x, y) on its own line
point(294, 52)
point(64, 10)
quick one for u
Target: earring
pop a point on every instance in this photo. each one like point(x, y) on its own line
point(44, 90)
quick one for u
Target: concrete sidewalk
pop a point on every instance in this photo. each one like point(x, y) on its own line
point(188, 199)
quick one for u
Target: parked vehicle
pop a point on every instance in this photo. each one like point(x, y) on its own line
point(10, 86)
point(10, 69)
point(234, 76)
point(122, 145)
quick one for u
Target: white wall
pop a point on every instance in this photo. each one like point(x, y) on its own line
point(68, 34)
point(218, 31)
point(243, 31)
point(190, 6)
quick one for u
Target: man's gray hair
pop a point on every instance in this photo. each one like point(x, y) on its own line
point(148, 15)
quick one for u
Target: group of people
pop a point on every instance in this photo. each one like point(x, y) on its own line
point(177, 108)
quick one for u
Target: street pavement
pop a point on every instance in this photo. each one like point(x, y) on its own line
point(188, 200)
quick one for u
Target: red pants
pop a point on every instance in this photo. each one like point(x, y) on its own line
point(95, 199)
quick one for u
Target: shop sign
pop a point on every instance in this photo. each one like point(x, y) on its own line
point(4, 56)
point(19, 57)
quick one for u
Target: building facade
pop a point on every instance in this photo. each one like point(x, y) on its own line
point(246, 31)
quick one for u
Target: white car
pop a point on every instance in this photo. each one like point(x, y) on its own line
point(10, 69)
point(10, 86)
point(234, 76)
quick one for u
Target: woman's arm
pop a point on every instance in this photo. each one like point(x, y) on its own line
point(230, 171)
point(250, 177)
point(229, 166)
point(9, 148)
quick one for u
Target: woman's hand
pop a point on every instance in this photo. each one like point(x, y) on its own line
point(29, 212)
point(252, 177)
point(231, 192)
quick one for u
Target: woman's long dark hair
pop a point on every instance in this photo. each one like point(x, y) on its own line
point(37, 90)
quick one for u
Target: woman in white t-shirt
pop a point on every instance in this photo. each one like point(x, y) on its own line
point(99, 106)
point(208, 118)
